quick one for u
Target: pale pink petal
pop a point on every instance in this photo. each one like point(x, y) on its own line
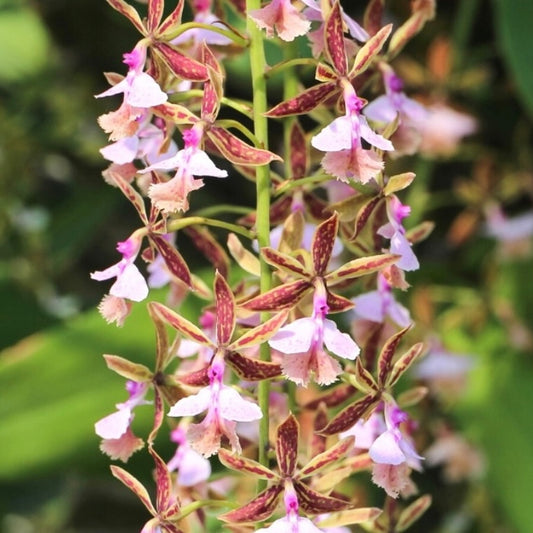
point(192, 405)
point(326, 368)
point(334, 137)
point(130, 284)
point(296, 368)
point(121, 87)
point(200, 164)
point(374, 138)
point(369, 306)
point(144, 92)
point(193, 468)
point(284, 525)
point(295, 337)
point(229, 430)
point(414, 110)
point(173, 195)
point(114, 425)
point(111, 272)
point(233, 407)
point(178, 160)
point(204, 437)
point(123, 447)
point(400, 245)
point(386, 450)
point(355, 30)
point(381, 109)
point(358, 164)
point(339, 343)
point(365, 433)
point(399, 313)
point(283, 16)
point(121, 152)
point(393, 478)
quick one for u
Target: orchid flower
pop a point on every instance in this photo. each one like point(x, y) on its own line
point(303, 341)
point(346, 158)
point(225, 407)
point(130, 283)
point(282, 16)
point(191, 161)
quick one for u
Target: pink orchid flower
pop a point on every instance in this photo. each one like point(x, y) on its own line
point(281, 16)
point(379, 304)
point(116, 424)
point(192, 468)
point(138, 87)
point(394, 230)
point(303, 341)
point(130, 283)
point(225, 407)
point(346, 157)
point(191, 161)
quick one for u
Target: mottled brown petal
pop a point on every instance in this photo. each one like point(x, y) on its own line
point(252, 369)
point(175, 113)
point(130, 193)
point(325, 73)
point(312, 502)
point(404, 362)
point(327, 458)
point(306, 101)
point(261, 333)
point(199, 378)
point(129, 12)
point(135, 486)
point(298, 151)
point(318, 442)
point(370, 50)
point(260, 508)
point(334, 39)
point(212, 87)
point(420, 232)
point(363, 379)
point(285, 296)
point(360, 267)
point(244, 258)
point(411, 396)
point(413, 512)
point(172, 21)
point(163, 482)
point(155, 12)
point(387, 354)
point(292, 234)
point(225, 310)
point(317, 208)
point(373, 16)
point(350, 415)
point(173, 259)
point(322, 244)
point(127, 369)
point(237, 151)
point(242, 464)
point(406, 32)
point(170, 528)
point(182, 324)
point(284, 262)
point(162, 349)
point(364, 214)
point(398, 182)
point(204, 240)
point(159, 415)
point(352, 516)
point(338, 303)
point(182, 66)
point(287, 435)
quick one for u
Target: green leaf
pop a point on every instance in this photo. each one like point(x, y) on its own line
point(514, 21)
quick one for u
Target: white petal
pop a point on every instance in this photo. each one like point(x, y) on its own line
point(130, 284)
point(339, 343)
point(111, 272)
point(120, 87)
point(193, 469)
point(114, 425)
point(374, 138)
point(386, 450)
point(295, 337)
point(176, 161)
point(201, 165)
point(192, 405)
point(145, 92)
point(122, 151)
point(233, 407)
point(334, 137)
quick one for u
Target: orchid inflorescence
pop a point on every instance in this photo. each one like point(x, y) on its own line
point(327, 240)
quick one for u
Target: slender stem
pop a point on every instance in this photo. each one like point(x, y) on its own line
point(180, 223)
point(222, 208)
point(258, 66)
point(239, 40)
point(289, 64)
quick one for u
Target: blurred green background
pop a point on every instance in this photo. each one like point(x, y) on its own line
point(59, 221)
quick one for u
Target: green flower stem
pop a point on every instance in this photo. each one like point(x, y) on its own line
point(258, 66)
point(214, 210)
point(180, 223)
point(239, 40)
point(290, 63)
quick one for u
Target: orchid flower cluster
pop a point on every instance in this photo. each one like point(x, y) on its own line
point(289, 374)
